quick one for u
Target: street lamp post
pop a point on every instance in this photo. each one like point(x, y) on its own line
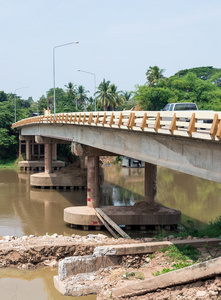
point(54, 68)
point(94, 84)
point(24, 87)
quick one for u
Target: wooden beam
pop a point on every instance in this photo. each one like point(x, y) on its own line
point(112, 223)
point(106, 225)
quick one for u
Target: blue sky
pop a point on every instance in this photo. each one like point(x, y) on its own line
point(118, 41)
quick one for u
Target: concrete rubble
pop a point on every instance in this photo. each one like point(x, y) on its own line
point(107, 258)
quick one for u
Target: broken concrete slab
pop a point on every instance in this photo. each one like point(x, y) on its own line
point(74, 265)
point(141, 248)
point(185, 275)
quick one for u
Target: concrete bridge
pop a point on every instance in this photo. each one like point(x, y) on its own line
point(183, 141)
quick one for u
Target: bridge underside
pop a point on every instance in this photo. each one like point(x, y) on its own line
point(201, 158)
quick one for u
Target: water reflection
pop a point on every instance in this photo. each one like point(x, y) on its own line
point(198, 199)
point(25, 211)
point(34, 285)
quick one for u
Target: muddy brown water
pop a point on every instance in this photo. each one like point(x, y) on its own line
point(25, 211)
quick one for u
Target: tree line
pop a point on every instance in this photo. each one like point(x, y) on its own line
point(200, 85)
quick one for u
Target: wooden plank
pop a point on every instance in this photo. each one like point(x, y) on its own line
point(106, 225)
point(112, 223)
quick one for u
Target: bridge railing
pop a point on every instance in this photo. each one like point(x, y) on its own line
point(203, 125)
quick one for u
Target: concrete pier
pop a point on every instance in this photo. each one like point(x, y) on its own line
point(142, 214)
point(39, 165)
point(93, 181)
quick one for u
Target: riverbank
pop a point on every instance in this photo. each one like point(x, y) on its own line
point(8, 164)
point(30, 252)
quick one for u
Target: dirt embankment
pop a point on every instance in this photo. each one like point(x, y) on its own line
point(29, 252)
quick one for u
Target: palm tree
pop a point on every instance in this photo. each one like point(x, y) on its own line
point(70, 88)
point(116, 97)
point(103, 93)
point(153, 74)
point(81, 96)
point(127, 96)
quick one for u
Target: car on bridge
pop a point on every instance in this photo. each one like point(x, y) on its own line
point(180, 106)
point(184, 106)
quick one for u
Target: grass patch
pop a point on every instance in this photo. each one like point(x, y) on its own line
point(9, 164)
point(211, 230)
point(181, 254)
point(175, 267)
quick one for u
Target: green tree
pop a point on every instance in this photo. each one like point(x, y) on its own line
point(153, 74)
point(8, 137)
point(81, 97)
point(103, 93)
point(116, 97)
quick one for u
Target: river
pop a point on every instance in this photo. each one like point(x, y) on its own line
point(25, 211)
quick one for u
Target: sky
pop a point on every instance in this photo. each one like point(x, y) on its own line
point(118, 41)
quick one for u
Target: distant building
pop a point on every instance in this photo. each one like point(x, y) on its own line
point(129, 162)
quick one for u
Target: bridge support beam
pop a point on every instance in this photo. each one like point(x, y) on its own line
point(48, 158)
point(93, 181)
point(150, 183)
point(54, 151)
point(28, 150)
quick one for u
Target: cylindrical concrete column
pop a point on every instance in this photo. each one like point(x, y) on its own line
point(19, 148)
point(28, 150)
point(48, 158)
point(150, 183)
point(93, 181)
point(54, 151)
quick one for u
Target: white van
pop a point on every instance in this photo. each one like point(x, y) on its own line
point(180, 106)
